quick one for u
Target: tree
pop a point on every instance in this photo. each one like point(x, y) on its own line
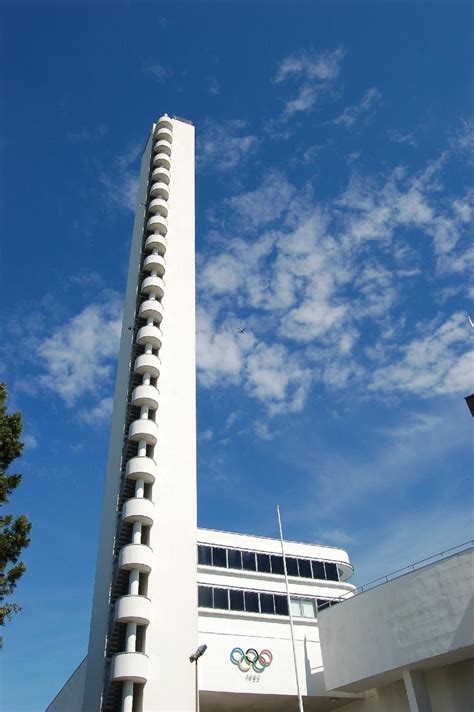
point(14, 531)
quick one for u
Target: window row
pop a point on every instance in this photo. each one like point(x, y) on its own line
point(230, 599)
point(266, 563)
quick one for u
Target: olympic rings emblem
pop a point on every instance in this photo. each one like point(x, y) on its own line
point(251, 659)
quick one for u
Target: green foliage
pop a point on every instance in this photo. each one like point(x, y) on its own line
point(14, 531)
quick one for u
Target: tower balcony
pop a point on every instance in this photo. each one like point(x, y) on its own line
point(153, 285)
point(157, 223)
point(156, 241)
point(160, 189)
point(142, 468)
point(136, 556)
point(158, 206)
point(145, 395)
point(133, 609)
point(162, 146)
point(151, 308)
point(139, 509)
point(131, 667)
point(148, 363)
point(155, 262)
point(160, 175)
point(163, 133)
point(162, 159)
point(165, 122)
point(143, 429)
point(149, 334)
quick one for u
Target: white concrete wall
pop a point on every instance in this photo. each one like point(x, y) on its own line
point(100, 604)
point(421, 619)
point(69, 698)
point(225, 631)
point(172, 634)
point(452, 687)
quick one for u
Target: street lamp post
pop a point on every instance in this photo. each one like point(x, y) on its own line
point(194, 659)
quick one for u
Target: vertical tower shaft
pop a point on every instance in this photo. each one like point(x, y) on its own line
point(146, 568)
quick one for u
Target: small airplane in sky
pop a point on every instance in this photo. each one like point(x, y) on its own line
point(241, 330)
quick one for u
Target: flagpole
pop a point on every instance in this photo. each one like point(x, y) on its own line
point(300, 699)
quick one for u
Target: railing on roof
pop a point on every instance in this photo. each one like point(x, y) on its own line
point(453, 551)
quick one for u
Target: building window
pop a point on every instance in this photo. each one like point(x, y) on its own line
point(205, 597)
point(219, 557)
point(318, 570)
point(234, 557)
point(304, 566)
point(267, 563)
point(291, 566)
point(281, 605)
point(248, 561)
point(266, 603)
point(263, 563)
point(331, 571)
point(259, 602)
point(303, 607)
point(221, 598)
point(251, 602)
point(236, 600)
point(277, 565)
point(204, 555)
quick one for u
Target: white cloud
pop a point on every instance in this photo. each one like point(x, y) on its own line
point(121, 178)
point(87, 135)
point(397, 136)
point(223, 146)
point(98, 414)
point(206, 435)
point(440, 362)
point(30, 442)
point(335, 537)
point(277, 378)
point(352, 114)
point(324, 66)
point(314, 73)
point(265, 204)
point(214, 86)
point(160, 72)
point(79, 356)
point(219, 351)
point(318, 286)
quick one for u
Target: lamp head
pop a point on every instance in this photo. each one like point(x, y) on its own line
point(195, 656)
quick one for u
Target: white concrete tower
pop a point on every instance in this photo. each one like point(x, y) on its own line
point(146, 567)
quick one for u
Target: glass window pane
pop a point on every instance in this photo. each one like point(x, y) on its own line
point(281, 605)
point(277, 565)
point(318, 570)
point(221, 598)
point(263, 563)
point(236, 600)
point(266, 603)
point(307, 608)
point(331, 571)
point(291, 566)
point(205, 596)
point(204, 555)
point(305, 568)
point(248, 561)
point(322, 603)
point(295, 606)
point(251, 602)
point(234, 558)
point(219, 557)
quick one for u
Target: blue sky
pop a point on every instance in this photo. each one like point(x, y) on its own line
point(334, 206)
